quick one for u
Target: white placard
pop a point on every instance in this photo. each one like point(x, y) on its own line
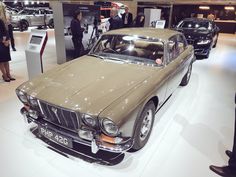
point(160, 24)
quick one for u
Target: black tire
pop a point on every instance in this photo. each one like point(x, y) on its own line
point(187, 76)
point(146, 119)
point(51, 24)
point(23, 25)
point(214, 46)
point(207, 55)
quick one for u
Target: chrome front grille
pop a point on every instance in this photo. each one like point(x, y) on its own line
point(64, 118)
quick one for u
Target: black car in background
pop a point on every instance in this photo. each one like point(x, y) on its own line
point(201, 33)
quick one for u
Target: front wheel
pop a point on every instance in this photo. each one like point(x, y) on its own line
point(214, 46)
point(51, 24)
point(144, 126)
point(24, 25)
point(207, 55)
point(187, 76)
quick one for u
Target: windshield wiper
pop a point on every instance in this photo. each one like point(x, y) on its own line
point(95, 55)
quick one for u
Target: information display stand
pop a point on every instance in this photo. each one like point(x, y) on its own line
point(34, 52)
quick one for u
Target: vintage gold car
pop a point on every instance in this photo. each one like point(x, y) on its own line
point(107, 99)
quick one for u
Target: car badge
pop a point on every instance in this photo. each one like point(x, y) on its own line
point(54, 110)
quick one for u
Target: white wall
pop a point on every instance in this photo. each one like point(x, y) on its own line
point(151, 15)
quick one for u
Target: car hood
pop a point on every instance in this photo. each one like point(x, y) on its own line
point(193, 33)
point(87, 84)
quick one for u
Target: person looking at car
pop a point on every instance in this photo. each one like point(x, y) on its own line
point(77, 33)
point(5, 56)
point(230, 170)
point(139, 20)
point(44, 19)
point(115, 21)
point(127, 18)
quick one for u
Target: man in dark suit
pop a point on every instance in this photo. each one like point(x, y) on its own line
point(127, 18)
point(115, 21)
point(230, 170)
point(77, 33)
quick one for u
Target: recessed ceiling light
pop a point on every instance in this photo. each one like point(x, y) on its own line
point(26, 2)
point(229, 8)
point(204, 7)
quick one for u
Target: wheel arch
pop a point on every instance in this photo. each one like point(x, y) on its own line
point(25, 20)
point(154, 99)
point(129, 127)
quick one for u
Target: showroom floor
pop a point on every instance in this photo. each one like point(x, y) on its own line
point(191, 131)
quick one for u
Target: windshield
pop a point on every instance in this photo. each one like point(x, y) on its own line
point(130, 49)
point(27, 12)
point(205, 25)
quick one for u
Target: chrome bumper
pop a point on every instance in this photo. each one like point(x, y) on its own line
point(96, 144)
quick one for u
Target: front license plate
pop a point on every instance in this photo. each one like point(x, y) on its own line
point(53, 136)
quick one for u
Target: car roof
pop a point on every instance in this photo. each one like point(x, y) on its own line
point(161, 34)
point(197, 19)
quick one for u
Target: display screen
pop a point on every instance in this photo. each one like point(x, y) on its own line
point(36, 39)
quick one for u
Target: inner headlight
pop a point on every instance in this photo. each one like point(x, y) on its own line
point(89, 120)
point(204, 41)
point(109, 127)
point(33, 114)
point(22, 96)
point(33, 101)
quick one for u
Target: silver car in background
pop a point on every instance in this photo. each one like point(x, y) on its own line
point(32, 17)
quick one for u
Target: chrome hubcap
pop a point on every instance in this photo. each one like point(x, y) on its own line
point(146, 125)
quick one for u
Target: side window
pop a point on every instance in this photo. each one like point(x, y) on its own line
point(181, 44)
point(172, 49)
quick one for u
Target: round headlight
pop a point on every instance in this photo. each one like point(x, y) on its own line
point(33, 101)
point(33, 114)
point(89, 120)
point(22, 96)
point(109, 127)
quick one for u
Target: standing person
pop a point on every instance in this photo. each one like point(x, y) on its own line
point(115, 21)
point(77, 33)
point(140, 19)
point(5, 56)
point(127, 18)
point(230, 170)
point(44, 19)
point(10, 31)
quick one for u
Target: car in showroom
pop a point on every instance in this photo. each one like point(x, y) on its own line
point(201, 33)
point(107, 99)
point(32, 17)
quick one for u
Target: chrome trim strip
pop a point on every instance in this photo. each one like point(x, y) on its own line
point(63, 116)
point(40, 107)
